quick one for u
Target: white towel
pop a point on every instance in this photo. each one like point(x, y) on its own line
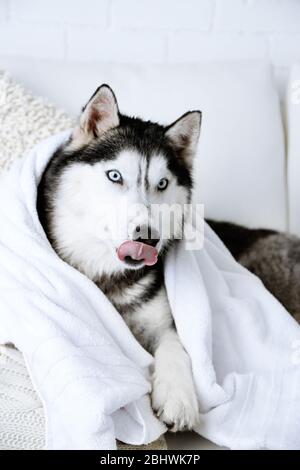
point(90, 372)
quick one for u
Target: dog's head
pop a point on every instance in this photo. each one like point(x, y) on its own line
point(111, 187)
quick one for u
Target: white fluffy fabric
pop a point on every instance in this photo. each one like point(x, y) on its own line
point(22, 423)
point(90, 372)
point(244, 347)
point(25, 120)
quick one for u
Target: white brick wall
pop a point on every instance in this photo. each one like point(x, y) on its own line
point(194, 46)
point(258, 16)
point(3, 11)
point(163, 14)
point(115, 46)
point(26, 40)
point(152, 31)
point(93, 12)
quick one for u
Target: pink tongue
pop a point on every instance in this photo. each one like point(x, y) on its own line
point(138, 251)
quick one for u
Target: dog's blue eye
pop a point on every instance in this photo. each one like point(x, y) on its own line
point(114, 176)
point(162, 184)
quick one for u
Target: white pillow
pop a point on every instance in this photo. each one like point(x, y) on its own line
point(240, 170)
point(293, 139)
point(25, 120)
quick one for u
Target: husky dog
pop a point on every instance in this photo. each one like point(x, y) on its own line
point(111, 159)
point(273, 256)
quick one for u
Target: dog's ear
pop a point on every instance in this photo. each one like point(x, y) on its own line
point(99, 115)
point(184, 134)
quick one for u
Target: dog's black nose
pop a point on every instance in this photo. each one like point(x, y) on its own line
point(147, 235)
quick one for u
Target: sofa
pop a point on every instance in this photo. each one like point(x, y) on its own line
point(247, 166)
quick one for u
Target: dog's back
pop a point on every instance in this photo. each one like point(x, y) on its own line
point(273, 256)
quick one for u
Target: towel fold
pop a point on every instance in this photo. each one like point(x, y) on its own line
point(90, 372)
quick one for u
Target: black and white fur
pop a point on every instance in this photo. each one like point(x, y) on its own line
point(72, 196)
point(272, 256)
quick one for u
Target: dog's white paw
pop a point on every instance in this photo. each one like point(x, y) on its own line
point(175, 404)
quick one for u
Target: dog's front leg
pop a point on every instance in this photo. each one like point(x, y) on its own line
point(173, 395)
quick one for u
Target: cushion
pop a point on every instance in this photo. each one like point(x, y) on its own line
point(25, 120)
point(241, 165)
point(293, 139)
